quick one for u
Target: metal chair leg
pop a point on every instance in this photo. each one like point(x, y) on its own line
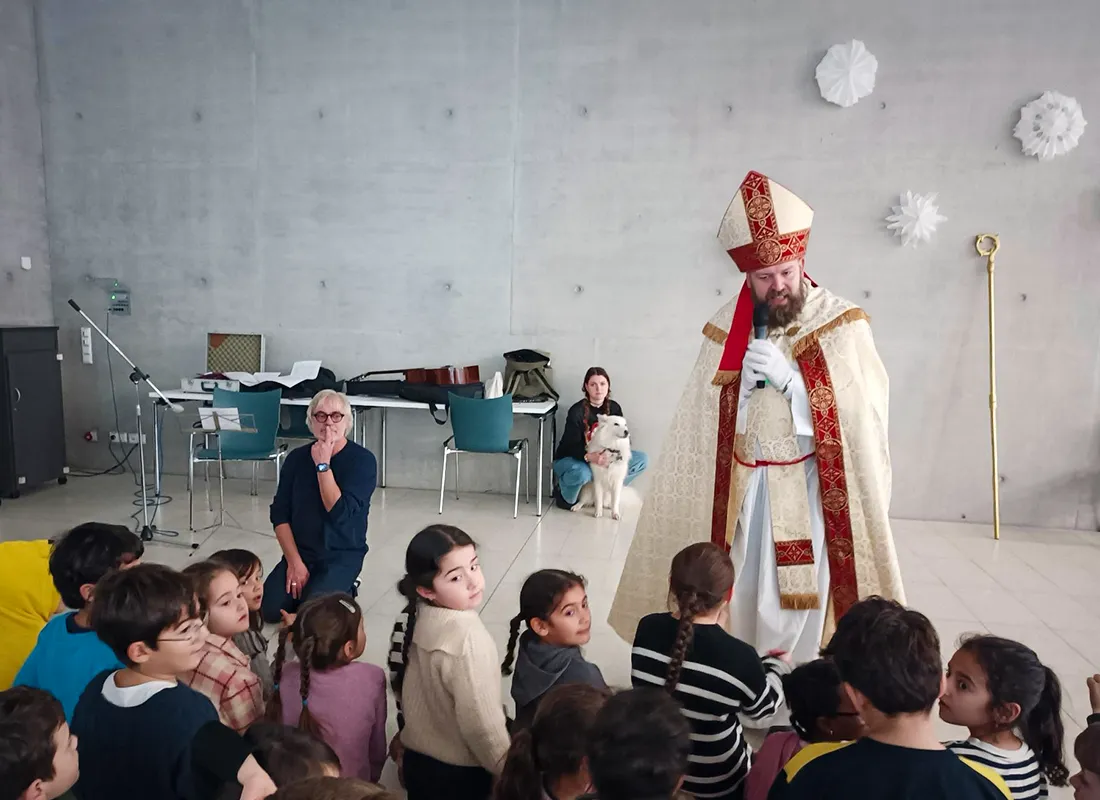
point(191, 493)
point(206, 484)
point(527, 462)
point(519, 469)
point(456, 474)
point(255, 491)
point(443, 481)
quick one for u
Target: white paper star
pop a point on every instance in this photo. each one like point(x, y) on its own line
point(915, 218)
point(846, 73)
point(1050, 126)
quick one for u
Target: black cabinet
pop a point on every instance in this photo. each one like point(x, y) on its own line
point(32, 428)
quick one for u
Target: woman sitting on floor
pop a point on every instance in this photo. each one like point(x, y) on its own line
point(571, 460)
point(320, 510)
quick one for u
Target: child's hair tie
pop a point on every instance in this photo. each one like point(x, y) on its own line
point(275, 687)
point(305, 702)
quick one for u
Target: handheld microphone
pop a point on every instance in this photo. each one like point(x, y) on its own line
point(760, 329)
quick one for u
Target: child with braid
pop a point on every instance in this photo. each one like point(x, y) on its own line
point(715, 676)
point(554, 607)
point(326, 692)
point(447, 675)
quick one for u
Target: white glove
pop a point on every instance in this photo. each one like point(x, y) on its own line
point(749, 377)
point(765, 358)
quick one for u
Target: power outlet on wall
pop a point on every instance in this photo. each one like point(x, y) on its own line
point(114, 436)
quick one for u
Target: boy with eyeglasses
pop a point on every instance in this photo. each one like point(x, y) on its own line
point(142, 732)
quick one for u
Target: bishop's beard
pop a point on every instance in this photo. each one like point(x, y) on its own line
point(782, 316)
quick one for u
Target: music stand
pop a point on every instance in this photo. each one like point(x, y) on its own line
point(213, 422)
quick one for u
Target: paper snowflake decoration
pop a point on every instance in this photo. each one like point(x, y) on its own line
point(847, 73)
point(1050, 126)
point(915, 218)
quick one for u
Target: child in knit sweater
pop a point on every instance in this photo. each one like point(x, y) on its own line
point(446, 679)
point(554, 607)
point(327, 692)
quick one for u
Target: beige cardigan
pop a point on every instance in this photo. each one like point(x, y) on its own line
point(451, 696)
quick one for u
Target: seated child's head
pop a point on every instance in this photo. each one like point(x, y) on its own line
point(996, 684)
point(554, 606)
point(441, 569)
point(38, 755)
point(88, 552)
point(551, 753)
point(639, 746)
point(700, 580)
point(1086, 783)
point(149, 616)
point(334, 789)
point(821, 711)
point(888, 657)
point(327, 632)
point(221, 599)
point(249, 570)
point(288, 754)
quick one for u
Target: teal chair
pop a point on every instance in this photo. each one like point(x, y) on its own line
point(258, 410)
point(483, 426)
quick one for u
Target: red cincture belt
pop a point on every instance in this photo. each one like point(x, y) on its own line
point(806, 457)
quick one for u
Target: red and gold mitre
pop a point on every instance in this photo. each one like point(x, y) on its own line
point(766, 224)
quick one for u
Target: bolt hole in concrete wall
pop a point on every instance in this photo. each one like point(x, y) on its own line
point(572, 187)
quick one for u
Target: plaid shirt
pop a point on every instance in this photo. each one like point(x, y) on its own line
point(223, 676)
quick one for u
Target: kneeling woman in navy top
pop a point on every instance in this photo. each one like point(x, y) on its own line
point(320, 510)
point(571, 462)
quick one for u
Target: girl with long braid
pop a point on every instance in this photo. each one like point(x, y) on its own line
point(445, 673)
point(327, 692)
point(553, 605)
point(715, 676)
point(571, 461)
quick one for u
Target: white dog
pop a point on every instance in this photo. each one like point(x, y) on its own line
point(610, 436)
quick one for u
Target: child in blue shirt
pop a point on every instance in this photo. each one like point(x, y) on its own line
point(68, 654)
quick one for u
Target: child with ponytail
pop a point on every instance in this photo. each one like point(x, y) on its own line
point(716, 677)
point(554, 607)
point(326, 692)
point(547, 759)
point(1012, 704)
point(445, 674)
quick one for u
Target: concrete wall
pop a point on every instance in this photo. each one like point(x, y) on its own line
point(24, 295)
point(413, 182)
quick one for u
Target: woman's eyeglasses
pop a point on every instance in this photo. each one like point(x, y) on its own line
point(335, 416)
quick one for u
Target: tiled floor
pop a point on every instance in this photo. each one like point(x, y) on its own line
point(1040, 587)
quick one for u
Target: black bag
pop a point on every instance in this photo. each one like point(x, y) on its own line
point(437, 396)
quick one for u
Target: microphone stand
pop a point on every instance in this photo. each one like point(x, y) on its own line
point(148, 530)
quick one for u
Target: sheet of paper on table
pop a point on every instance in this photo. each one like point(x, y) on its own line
point(301, 371)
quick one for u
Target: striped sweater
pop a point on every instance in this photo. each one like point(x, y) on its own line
point(722, 678)
point(1019, 768)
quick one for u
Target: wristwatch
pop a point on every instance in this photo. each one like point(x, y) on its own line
point(322, 467)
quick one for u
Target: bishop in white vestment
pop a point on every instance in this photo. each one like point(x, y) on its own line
point(778, 449)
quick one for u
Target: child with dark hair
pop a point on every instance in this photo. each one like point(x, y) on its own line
point(1012, 704)
point(335, 789)
point(327, 692)
point(888, 658)
point(1086, 749)
point(223, 673)
point(554, 607)
point(715, 676)
point(288, 755)
point(547, 759)
point(249, 570)
point(821, 711)
point(38, 755)
point(446, 673)
point(639, 747)
point(144, 733)
point(68, 653)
